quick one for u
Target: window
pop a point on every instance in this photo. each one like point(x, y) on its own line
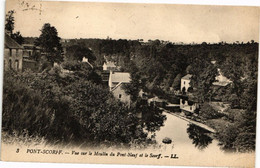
point(10, 64)
point(10, 52)
point(183, 101)
point(16, 65)
point(191, 108)
point(184, 82)
point(119, 96)
point(16, 52)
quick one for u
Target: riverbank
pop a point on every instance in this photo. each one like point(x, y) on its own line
point(192, 121)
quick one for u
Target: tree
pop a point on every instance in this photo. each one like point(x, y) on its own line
point(208, 112)
point(177, 82)
point(85, 111)
point(49, 41)
point(81, 70)
point(134, 87)
point(190, 90)
point(9, 27)
point(78, 51)
point(203, 76)
point(9, 21)
point(188, 69)
point(18, 37)
point(198, 136)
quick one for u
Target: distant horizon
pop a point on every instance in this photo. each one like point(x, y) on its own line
point(167, 22)
point(174, 42)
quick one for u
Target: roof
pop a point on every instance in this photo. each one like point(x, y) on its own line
point(119, 84)
point(222, 83)
point(84, 59)
point(221, 80)
point(213, 62)
point(156, 99)
point(27, 60)
point(11, 43)
point(29, 40)
point(187, 77)
point(110, 64)
point(30, 46)
point(123, 77)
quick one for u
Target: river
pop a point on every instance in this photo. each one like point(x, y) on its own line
point(194, 146)
point(184, 134)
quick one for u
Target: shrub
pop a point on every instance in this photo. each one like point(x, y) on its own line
point(208, 112)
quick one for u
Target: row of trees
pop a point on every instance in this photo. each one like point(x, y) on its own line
point(161, 65)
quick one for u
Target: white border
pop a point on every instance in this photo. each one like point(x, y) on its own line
point(56, 165)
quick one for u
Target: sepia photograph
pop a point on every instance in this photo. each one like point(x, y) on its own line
point(129, 83)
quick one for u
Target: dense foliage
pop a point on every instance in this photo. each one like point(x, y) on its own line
point(9, 21)
point(49, 41)
point(78, 51)
point(9, 27)
point(65, 109)
point(208, 112)
point(157, 66)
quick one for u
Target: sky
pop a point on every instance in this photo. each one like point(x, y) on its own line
point(176, 23)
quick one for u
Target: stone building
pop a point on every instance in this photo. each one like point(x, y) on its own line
point(13, 54)
point(116, 82)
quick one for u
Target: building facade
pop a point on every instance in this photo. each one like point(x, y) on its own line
point(185, 83)
point(188, 106)
point(13, 54)
point(29, 51)
point(120, 94)
point(221, 80)
point(116, 82)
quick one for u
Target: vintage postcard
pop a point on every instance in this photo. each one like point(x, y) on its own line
point(126, 83)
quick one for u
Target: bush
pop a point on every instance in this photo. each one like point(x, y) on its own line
point(240, 135)
point(208, 112)
point(28, 109)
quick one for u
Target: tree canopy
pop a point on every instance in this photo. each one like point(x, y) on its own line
point(78, 51)
point(49, 41)
point(9, 27)
point(9, 21)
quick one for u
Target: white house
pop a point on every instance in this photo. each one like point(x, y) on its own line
point(186, 105)
point(221, 80)
point(116, 81)
point(185, 82)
